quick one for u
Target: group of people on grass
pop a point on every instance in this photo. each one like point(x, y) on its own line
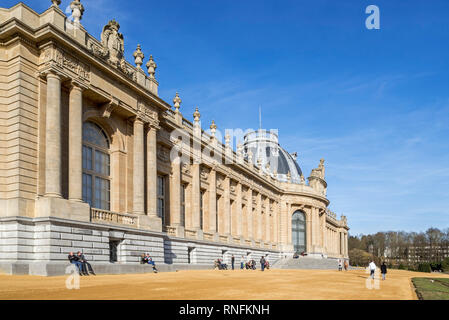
point(81, 263)
point(250, 264)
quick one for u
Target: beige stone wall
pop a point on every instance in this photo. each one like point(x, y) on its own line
point(19, 96)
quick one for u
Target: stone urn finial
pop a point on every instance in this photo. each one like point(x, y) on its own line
point(227, 140)
point(213, 128)
point(55, 3)
point(77, 11)
point(196, 115)
point(177, 102)
point(138, 56)
point(151, 65)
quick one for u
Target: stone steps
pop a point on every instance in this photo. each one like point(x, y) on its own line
point(307, 263)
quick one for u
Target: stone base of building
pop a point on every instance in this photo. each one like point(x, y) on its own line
point(40, 246)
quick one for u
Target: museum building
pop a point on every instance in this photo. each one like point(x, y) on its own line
point(93, 160)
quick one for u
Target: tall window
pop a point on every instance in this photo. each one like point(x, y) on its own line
point(161, 198)
point(183, 205)
point(96, 167)
point(201, 209)
point(299, 231)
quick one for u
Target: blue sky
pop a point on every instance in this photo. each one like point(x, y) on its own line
point(373, 103)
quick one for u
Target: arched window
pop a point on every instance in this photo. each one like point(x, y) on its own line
point(96, 167)
point(299, 232)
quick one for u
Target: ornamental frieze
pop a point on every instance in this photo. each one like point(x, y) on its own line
point(67, 62)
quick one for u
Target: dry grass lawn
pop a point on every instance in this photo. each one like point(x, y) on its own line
point(212, 285)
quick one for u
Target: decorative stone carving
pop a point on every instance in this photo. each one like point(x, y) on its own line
point(196, 116)
point(109, 107)
point(138, 57)
point(151, 65)
point(319, 172)
point(163, 153)
point(55, 3)
point(227, 140)
point(303, 180)
point(113, 41)
point(66, 61)
point(204, 173)
point(185, 168)
point(289, 176)
point(213, 128)
point(77, 11)
point(177, 102)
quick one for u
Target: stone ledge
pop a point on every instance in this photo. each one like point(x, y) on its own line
point(59, 268)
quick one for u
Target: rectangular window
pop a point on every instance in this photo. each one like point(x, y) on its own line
point(87, 188)
point(101, 163)
point(101, 194)
point(87, 158)
point(161, 198)
point(183, 205)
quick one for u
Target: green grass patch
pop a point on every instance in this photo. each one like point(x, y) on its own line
point(432, 288)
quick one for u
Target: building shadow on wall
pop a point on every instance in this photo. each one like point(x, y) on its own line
point(169, 255)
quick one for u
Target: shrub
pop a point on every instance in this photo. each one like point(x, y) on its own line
point(424, 267)
point(402, 267)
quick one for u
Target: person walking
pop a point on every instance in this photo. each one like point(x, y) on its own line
point(262, 263)
point(339, 265)
point(372, 268)
point(242, 262)
point(232, 262)
point(383, 270)
point(346, 264)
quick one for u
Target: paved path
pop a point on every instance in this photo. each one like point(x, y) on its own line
point(207, 285)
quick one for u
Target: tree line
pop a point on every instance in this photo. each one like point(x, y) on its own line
point(400, 249)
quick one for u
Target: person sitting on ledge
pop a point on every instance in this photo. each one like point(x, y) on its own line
point(150, 261)
point(75, 260)
point(143, 259)
point(86, 265)
point(296, 255)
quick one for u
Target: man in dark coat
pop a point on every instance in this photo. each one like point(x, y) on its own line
point(262, 263)
point(75, 260)
point(86, 265)
point(232, 261)
point(383, 270)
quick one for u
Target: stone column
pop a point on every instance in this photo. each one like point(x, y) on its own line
point(175, 192)
point(259, 217)
point(196, 196)
point(75, 142)
point(283, 224)
point(53, 154)
point(309, 228)
point(151, 221)
point(138, 168)
point(238, 214)
point(268, 225)
point(289, 225)
point(227, 206)
point(151, 172)
point(212, 201)
point(249, 213)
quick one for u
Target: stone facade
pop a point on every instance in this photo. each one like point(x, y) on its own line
point(55, 78)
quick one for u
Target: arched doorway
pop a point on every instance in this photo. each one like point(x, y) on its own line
point(299, 231)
